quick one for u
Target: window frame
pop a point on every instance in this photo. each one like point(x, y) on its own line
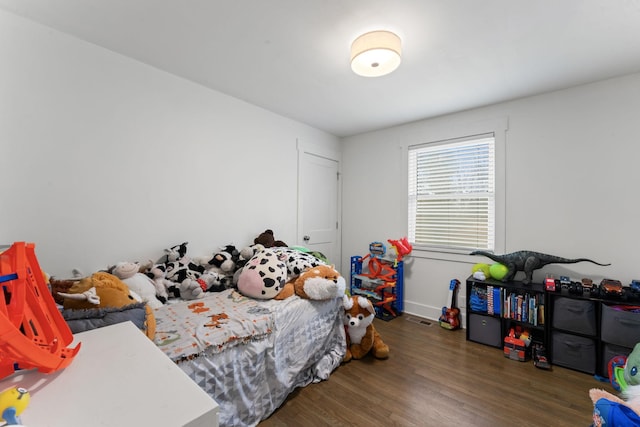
point(443, 134)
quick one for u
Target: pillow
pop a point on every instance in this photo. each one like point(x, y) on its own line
point(80, 320)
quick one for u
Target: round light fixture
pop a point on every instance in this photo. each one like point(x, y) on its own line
point(375, 53)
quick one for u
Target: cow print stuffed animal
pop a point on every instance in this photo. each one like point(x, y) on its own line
point(264, 276)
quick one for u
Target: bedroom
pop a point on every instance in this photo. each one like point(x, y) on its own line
point(116, 159)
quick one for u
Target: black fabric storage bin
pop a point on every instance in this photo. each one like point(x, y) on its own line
point(575, 352)
point(609, 351)
point(620, 327)
point(575, 315)
point(485, 330)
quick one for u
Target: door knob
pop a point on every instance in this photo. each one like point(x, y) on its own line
point(306, 238)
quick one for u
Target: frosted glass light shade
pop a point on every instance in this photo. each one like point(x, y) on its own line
point(375, 54)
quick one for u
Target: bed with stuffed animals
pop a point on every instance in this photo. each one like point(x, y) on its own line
point(248, 340)
point(251, 345)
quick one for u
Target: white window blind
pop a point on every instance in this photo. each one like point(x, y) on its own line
point(452, 194)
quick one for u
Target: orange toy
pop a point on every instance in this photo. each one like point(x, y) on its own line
point(33, 333)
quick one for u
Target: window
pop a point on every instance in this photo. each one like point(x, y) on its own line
point(452, 194)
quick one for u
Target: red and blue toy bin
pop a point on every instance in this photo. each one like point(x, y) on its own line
point(33, 333)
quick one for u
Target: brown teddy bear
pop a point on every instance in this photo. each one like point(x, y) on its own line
point(267, 240)
point(362, 337)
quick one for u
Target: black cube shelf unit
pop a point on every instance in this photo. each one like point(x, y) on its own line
point(580, 331)
point(494, 308)
point(586, 332)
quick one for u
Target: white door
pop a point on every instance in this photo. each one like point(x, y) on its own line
point(318, 205)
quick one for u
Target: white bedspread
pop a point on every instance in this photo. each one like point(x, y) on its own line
point(252, 378)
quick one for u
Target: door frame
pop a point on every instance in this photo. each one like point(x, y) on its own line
point(330, 154)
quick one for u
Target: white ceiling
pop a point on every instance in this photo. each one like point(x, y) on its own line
point(292, 56)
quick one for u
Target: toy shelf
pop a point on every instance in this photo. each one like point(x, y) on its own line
point(580, 331)
point(386, 291)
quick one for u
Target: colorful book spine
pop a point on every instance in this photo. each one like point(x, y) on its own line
point(490, 309)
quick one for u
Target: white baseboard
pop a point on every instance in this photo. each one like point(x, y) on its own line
point(429, 312)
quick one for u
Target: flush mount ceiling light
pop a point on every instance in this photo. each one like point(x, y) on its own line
point(375, 54)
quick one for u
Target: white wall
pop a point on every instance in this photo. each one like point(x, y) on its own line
point(571, 186)
point(105, 159)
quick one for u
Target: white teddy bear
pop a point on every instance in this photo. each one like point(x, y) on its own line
point(129, 273)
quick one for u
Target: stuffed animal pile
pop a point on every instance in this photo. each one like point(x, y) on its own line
point(178, 267)
point(266, 269)
point(280, 272)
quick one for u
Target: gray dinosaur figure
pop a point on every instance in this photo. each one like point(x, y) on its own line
point(528, 261)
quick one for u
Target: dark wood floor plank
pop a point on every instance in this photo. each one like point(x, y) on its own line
point(435, 377)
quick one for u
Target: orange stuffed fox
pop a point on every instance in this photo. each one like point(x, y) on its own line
point(362, 337)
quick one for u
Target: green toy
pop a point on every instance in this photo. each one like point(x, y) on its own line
point(498, 271)
point(480, 271)
point(630, 375)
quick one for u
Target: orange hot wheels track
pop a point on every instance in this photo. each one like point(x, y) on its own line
point(33, 333)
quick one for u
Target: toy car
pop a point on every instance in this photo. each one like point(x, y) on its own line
point(611, 287)
point(587, 285)
point(565, 282)
point(576, 288)
point(550, 283)
point(635, 285)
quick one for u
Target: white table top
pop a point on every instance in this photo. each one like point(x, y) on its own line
point(118, 378)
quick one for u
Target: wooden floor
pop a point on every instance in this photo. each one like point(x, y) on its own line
point(434, 377)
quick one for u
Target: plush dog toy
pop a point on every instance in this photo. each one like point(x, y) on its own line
point(611, 410)
point(319, 283)
point(362, 337)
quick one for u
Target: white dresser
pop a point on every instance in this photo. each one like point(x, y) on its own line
point(119, 378)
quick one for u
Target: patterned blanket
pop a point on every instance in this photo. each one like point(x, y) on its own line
point(251, 380)
point(188, 329)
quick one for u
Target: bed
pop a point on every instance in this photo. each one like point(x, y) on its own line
point(250, 354)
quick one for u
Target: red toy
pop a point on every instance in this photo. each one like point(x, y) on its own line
point(402, 247)
point(33, 333)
